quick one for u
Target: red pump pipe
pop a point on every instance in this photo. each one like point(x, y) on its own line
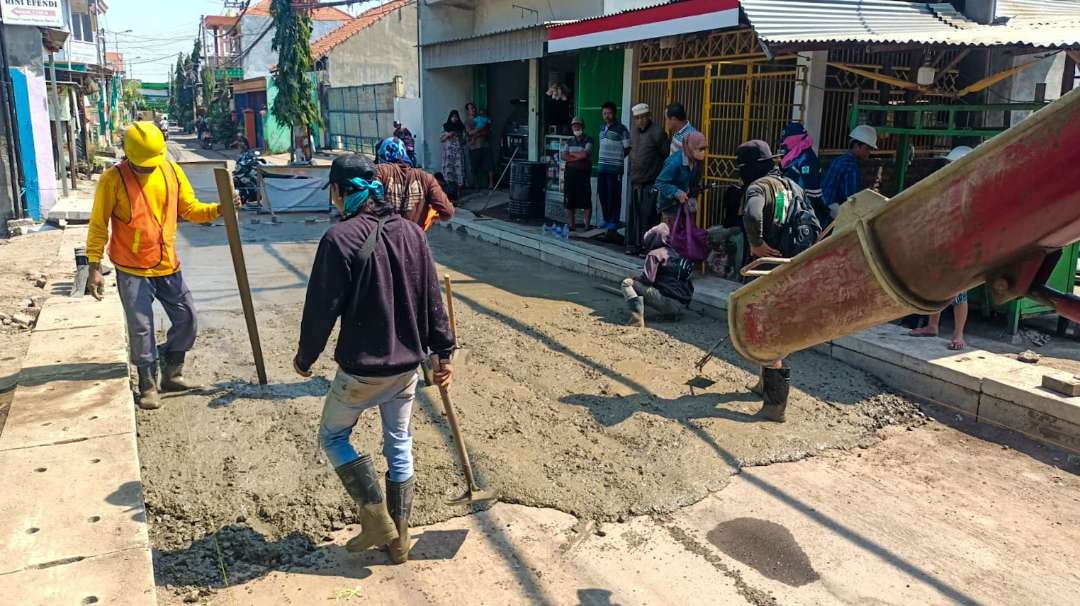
point(991, 216)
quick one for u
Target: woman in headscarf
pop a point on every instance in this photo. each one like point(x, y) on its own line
point(665, 285)
point(680, 179)
point(453, 142)
point(415, 194)
point(801, 165)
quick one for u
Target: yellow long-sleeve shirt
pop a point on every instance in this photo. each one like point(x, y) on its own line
point(111, 199)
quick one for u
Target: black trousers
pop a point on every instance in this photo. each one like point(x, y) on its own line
point(641, 216)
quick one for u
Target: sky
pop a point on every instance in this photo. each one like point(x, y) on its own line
point(160, 29)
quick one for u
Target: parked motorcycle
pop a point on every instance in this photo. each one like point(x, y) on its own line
point(246, 176)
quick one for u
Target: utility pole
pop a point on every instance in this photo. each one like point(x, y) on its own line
point(58, 135)
point(103, 115)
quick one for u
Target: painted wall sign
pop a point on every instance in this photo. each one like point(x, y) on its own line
point(43, 13)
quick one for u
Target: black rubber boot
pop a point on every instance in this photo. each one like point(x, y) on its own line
point(376, 528)
point(399, 499)
point(757, 387)
point(148, 389)
point(172, 373)
point(775, 385)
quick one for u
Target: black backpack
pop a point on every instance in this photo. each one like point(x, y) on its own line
point(800, 228)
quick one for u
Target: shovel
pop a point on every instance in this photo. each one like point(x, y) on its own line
point(473, 494)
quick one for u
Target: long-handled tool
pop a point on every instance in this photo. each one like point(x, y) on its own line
point(461, 354)
point(473, 493)
point(232, 230)
point(480, 213)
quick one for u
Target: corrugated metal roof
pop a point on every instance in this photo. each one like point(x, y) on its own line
point(509, 45)
point(893, 22)
point(1038, 10)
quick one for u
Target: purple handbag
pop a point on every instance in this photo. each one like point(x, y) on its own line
point(689, 240)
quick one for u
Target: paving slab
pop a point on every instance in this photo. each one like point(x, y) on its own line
point(90, 353)
point(70, 500)
point(124, 578)
point(69, 409)
point(1022, 385)
point(1050, 428)
point(66, 313)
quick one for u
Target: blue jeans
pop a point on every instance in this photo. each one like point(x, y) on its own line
point(137, 296)
point(349, 397)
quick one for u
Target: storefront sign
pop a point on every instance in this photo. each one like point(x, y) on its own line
point(684, 17)
point(43, 13)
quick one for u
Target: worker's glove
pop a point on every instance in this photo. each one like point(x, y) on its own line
point(834, 210)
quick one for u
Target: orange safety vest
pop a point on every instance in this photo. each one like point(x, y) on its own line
point(142, 241)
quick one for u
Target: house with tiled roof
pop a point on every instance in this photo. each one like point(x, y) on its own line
point(257, 56)
point(375, 47)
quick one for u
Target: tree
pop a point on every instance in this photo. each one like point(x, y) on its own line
point(221, 122)
point(132, 98)
point(176, 85)
point(292, 35)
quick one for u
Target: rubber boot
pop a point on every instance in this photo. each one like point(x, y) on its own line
point(148, 390)
point(172, 373)
point(399, 499)
point(776, 383)
point(376, 528)
point(757, 387)
point(634, 303)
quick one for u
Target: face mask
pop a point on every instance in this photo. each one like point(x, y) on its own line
point(577, 132)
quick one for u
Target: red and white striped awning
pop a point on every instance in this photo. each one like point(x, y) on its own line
point(684, 17)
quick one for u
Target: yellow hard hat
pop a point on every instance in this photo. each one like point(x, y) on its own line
point(144, 144)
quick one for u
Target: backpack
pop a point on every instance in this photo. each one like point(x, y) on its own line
point(794, 226)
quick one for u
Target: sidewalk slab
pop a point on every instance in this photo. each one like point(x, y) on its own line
point(119, 579)
point(78, 499)
point(72, 518)
point(985, 385)
point(64, 410)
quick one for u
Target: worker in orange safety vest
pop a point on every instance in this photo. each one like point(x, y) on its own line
point(135, 211)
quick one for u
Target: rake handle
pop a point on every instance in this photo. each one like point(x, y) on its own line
point(451, 417)
point(450, 306)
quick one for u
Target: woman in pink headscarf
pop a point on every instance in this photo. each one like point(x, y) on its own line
point(801, 165)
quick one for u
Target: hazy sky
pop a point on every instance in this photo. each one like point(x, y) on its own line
point(160, 30)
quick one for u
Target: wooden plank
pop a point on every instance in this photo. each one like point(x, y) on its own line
point(232, 229)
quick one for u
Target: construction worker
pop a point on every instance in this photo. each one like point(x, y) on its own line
point(844, 178)
point(136, 206)
point(800, 164)
point(665, 285)
point(374, 270)
point(779, 223)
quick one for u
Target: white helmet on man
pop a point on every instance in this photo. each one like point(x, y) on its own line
point(864, 134)
point(958, 152)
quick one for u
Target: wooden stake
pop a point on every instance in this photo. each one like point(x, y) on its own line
point(232, 229)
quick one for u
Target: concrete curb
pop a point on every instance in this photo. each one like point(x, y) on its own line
point(73, 520)
point(986, 386)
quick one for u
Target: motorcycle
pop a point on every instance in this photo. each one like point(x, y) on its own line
point(207, 140)
point(246, 176)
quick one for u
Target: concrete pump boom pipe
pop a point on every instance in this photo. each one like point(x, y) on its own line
point(992, 216)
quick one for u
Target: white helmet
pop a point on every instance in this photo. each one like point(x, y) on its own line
point(958, 152)
point(864, 134)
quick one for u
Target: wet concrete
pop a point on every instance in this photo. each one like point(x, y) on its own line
point(563, 406)
point(765, 546)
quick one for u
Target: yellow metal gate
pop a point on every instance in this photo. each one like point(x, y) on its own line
point(732, 92)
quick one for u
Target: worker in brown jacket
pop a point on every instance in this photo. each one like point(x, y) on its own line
point(415, 193)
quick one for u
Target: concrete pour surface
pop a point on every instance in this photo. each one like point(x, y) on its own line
point(567, 409)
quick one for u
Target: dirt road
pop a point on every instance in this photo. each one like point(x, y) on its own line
point(564, 408)
point(28, 262)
